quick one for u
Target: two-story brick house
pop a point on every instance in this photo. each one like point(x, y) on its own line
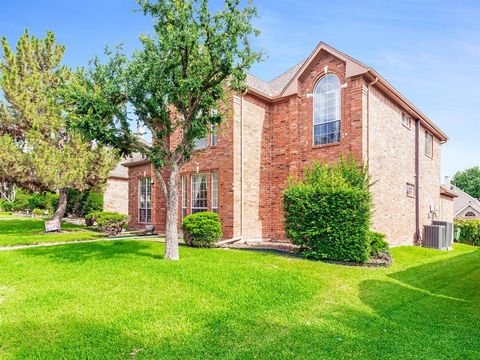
point(329, 104)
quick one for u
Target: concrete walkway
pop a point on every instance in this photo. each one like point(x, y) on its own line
point(30, 246)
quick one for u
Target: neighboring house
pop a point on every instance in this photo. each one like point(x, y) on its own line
point(328, 105)
point(115, 198)
point(464, 205)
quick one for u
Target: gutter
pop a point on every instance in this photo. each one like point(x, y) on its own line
point(418, 237)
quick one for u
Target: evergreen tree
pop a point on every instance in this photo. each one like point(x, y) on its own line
point(37, 150)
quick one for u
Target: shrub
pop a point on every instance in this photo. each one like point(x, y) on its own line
point(83, 203)
point(328, 213)
point(109, 222)
point(377, 244)
point(93, 201)
point(202, 229)
point(469, 231)
point(91, 218)
point(38, 212)
point(46, 200)
point(21, 201)
point(50, 201)
point(35, 201)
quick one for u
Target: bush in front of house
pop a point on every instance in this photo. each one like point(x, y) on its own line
point(82, 203)
point(202, 229)
point(469, 231)
point(328, 212)
point(111, 223)
point(377, 244)
point(38, 212)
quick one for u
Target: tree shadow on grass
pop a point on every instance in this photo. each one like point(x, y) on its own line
point(78, 253)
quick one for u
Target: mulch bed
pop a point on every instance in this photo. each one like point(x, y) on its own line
point(293, 250)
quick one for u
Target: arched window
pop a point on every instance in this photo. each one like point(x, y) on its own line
point(326, 111)
point(470, 214)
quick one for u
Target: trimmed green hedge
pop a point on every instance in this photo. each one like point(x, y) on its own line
point(202, 229)
point(109, 222)
point(328, 213)
point(469, 231)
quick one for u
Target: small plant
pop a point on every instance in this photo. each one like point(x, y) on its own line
point(38, 212)
point(202, 229)
point(111, 223)
point(378, 245)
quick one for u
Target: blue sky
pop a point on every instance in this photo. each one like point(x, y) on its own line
point(429, 50)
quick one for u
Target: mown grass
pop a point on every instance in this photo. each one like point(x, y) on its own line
point(16, 230)
point(121, 300)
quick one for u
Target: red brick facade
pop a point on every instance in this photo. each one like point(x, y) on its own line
point(268, 138)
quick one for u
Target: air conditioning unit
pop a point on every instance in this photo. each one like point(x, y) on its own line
point(434, 237)
point(448, 232)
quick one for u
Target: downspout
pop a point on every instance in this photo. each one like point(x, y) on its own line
point(368, 116)
point(241, 169)
point(418, 237)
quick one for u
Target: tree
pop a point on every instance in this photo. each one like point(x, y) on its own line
point(468, 181)
point(37, 149)
point(175, 84)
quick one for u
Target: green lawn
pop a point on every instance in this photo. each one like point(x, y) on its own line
point(25, 231)
point(120, 300)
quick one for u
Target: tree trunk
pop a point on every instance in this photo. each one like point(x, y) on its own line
point(171, 233)
point(62, 206)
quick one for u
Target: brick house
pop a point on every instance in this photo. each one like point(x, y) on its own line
point(327, 105)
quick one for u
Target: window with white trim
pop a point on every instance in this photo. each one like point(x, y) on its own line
point(470, 214)
point(214, 192)
point(428, 144)
point(406, 121)
point(184, 196)
point(199, 193)
point(326, 110)
point(410, 190)
point(145, 200)
point(213, 137)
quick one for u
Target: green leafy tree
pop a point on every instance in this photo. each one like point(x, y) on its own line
point(175, 86)
point(38, 152)
point(469, 181)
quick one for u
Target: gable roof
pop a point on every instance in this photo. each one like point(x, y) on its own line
point(463, 200)
point(287, 84)
point(273, 87)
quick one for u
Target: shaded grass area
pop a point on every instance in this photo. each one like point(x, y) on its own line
point(121, 300)
point(26, 231)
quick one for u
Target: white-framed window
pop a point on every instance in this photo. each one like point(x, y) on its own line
point(326, 110)
point(214, 192)
point(428, 144)
point(470, 214)
point(406, 121)
point(184, 196)
point(410, 190)
point(199, 193)
point(145, 200)
point(213, 136)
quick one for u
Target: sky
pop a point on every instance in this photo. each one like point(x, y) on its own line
point(429, 50)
